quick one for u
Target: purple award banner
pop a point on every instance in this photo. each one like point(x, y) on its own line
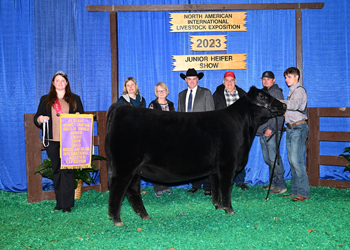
point(76, 133)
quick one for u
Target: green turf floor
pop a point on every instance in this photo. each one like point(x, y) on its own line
point(181, 221)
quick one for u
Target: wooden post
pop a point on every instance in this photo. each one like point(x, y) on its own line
point(33, 158)
point(114, 55)
point(299, 42)
point(313, 147)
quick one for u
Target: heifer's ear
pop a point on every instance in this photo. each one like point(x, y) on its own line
point(258, 97)
point(252, 88)
point(252, 92)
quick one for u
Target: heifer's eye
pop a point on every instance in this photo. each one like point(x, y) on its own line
point(264, 97)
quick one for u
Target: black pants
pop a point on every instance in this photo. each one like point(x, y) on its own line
point(63, 180)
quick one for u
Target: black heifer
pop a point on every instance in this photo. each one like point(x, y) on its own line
point(174, 146)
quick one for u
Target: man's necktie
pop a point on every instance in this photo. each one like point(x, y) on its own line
point(189, 106)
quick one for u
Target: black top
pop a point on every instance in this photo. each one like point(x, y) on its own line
point(157, 106)
point(219, 96)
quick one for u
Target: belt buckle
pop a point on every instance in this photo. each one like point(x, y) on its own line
point(289, 125)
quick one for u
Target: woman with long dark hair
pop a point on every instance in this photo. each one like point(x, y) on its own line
point(59, 100)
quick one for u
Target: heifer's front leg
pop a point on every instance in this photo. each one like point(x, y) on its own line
point(135, 199)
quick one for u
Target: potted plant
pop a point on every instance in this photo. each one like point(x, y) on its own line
point(347, 157)
point(81, 175)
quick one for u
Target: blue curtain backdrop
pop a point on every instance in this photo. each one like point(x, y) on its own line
point(38, 38)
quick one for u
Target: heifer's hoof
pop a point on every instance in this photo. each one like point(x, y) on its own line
point(146, 217)
point(229, 211)
point(219, 207)
point(119, 224)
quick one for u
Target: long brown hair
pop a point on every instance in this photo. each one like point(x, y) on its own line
point(68, 96)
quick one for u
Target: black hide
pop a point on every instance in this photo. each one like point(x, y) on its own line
point(175, 146)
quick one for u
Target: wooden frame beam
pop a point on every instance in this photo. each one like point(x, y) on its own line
point(203, 7)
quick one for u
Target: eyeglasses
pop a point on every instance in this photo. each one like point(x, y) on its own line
point(161, 91)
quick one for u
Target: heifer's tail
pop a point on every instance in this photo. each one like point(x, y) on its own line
point(110, 118)
point(110, 114)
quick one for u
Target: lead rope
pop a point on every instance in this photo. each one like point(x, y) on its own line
point(277, 141)
point(45, 126)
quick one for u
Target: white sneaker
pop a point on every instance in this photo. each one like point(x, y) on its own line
point(267, 187)
point(159, 194)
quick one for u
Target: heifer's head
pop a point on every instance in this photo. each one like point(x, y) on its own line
point(263, 99)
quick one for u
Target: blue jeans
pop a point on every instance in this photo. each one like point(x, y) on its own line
point(269, 153)
point(296, 144)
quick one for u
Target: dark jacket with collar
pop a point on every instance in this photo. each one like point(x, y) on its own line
point(157, 106)
point(276, 92)
point(203, 100)
point(219, 96)
point(125, 99)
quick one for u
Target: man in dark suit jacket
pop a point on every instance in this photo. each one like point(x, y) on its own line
point(225, 95)
point(195, 99)
point(202, 99)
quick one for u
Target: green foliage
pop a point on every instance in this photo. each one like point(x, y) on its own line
point(347, 157)
point(45, 169)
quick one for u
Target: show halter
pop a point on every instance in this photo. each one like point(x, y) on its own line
point(45, 126)
point(58, 109)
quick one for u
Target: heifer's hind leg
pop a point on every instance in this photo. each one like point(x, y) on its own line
point(215, 196)
point(117, 187)
point(117, 190)
point(135, 199)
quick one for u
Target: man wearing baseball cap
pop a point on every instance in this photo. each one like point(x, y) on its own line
point(267, 133)
point(225, 95)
